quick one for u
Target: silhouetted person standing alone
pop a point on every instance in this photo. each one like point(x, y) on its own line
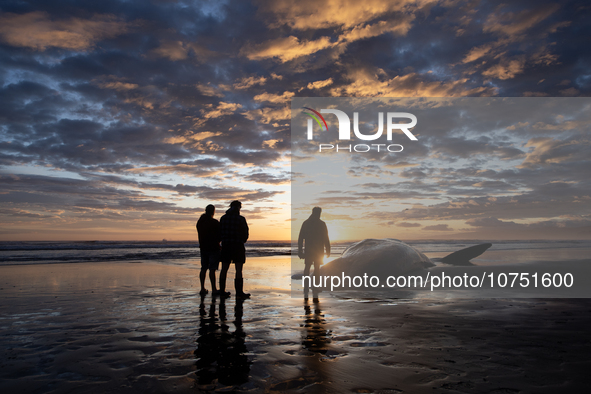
point(208, 230)
point(312, 243)
point(234, 233)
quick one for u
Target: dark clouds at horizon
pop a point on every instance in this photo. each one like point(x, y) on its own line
point(141, 112)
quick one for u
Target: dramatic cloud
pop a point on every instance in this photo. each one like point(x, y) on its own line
point(186, 103)
point(38, 30)
point(310, 14)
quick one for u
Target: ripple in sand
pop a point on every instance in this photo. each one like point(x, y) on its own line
point(459, 386)
point(291, 384)
point(368, 344)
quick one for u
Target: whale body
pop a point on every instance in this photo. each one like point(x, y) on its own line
point(392, 257)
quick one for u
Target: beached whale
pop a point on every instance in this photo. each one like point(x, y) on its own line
point(384, 257)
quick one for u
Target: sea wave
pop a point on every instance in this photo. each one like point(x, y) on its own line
point(106, 251)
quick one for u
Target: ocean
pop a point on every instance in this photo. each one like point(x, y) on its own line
point(187, 252)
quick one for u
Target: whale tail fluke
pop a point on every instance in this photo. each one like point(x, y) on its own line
point(463, 256)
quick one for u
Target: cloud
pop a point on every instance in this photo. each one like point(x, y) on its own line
point(408, 225)
point(514, 23)
point(310, 14)
point(176, 50)
point(319, 84)
point(269, 115)
point(286, 49)
point(274, 98)
point(477, 52)
point(248, 82)
point(506, 70)
point(262, 177)
point(365, 84)
point(547, 151)
point(489, 222)
point(117, 85)
point(38, 31)
point(209, 90)
point(172, 50)
point(438, 227)
point(397, 27)
point(170, 97)
point(222, 109)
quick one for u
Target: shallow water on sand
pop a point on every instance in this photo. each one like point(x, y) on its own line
point(125, 327)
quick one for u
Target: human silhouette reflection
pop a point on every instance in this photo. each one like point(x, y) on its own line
point(316, 337)
point(221, 354)
point(313, 241)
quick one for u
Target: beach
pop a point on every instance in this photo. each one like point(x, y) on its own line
point(142, 327)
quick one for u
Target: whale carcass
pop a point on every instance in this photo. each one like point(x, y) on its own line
point(392, 257)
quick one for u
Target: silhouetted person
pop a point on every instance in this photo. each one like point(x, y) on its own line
point(234, 233)
point(312, 243)
point(208, 230)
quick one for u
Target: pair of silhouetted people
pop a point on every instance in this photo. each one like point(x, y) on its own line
point(313, 241)
point(232, 231)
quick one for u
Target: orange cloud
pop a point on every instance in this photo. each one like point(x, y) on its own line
point(274, 98)
point(120, 86)
point(546, 150)
point(190, 138)
point(477, 52)
point(506, 70)
point(222, 109)
point(209, 90)
point(286, 48)
point(248, 82)
point(179, 50)
point(319, 14)
point(511, 24)
point(268, 115)
point(289, 48)
point(173, 50)
point(398, 27)
point(365, 84)
point(320, 84)
point(37, 31)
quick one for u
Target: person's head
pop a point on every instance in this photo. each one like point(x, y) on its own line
point(210, 210)
point(236, 205)
point(316, 211)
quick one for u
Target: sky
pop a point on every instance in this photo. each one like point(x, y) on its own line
point(122, 120)
point(487, 168)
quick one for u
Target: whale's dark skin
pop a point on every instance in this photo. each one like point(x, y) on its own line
point(392, 257)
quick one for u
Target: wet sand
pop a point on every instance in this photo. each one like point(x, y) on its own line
point(125, 327)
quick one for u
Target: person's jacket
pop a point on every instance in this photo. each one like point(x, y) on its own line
point(208, 230)
point(233, 228)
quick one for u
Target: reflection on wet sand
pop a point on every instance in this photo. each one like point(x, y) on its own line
point(221, 354)
point(316, 336)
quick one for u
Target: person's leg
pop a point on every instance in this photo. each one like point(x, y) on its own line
point(307, 266)
point(317, 264)
point(239, 260)
point(202, 276)
point(203, 273)
point(226, 259)
point(238, 265)
point(212, 281)
point(223, 274)
point(214, 263)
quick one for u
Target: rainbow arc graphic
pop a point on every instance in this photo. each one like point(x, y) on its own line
point(316, 115)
